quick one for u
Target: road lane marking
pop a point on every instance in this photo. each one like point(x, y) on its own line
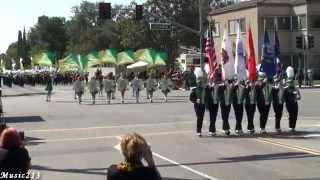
point(176, 163)
point(103, 137)
point(108, 127)
point(312, 135)
point(288, 146)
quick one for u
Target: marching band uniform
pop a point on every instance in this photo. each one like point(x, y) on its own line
point(122, 86)
point(237, 103)
point(94, 88)
point(198, 98)
point(109, 87)
point(165, 84)
point(291, 97)
point(225, 104)
point(79, 86)
point(137, 86)
point(250, 105)
point(151, 85)
point(277, 101)
point(213, 106)
point(263, 92)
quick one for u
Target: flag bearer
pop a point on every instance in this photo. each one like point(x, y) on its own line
point(250, 105)
point(198, 98)
point(277, 101)
point(237, 103)
point(263, 92)
point(225, 94)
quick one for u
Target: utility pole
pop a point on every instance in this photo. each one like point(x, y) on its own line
point(201, 33)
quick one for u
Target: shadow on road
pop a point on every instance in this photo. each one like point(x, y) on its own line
point(23, 119)
point(259, 157)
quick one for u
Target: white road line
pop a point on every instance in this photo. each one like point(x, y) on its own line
point(312, 135)
point(104, 137)
point(178, 164)
point(108, 127)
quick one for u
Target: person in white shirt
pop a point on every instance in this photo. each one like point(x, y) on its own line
point(122, 86)
point(151, 85)
point(165, 84)
point(109, 86)
point(94, 88)
point(137, 86)
point(79, 86)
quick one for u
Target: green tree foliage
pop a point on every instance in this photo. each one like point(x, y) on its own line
point(49, 34)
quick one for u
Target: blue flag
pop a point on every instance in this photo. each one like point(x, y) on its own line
point(277, 53)
point(268, 64)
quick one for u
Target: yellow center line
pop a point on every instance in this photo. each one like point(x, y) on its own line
point(288, 146)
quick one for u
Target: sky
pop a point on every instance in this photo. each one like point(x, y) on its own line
point(17, 14)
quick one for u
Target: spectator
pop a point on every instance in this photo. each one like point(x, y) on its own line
point(134, 148)
point(310, 77)
point(14, 158)
point(300, 77)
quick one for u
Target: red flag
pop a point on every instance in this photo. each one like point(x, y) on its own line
point(211, 54)
point(251, 57)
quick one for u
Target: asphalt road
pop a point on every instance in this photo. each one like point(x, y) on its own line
point(71, 141)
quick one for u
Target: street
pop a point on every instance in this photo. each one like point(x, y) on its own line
point(77, 142)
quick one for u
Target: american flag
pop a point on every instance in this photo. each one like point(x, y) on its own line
point(210, 54)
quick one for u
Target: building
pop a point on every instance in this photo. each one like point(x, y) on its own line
point(186, 60)
point(292, 18)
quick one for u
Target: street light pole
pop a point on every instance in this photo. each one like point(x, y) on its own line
point(201, 33)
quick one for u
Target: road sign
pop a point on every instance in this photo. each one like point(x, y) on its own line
point(160, 26)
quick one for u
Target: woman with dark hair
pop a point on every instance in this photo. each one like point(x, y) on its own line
point(14, 158)
point(134, 148)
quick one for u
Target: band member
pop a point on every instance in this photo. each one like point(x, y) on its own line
point(225, 104)
point(277, 101)
point(122, 86)
point(213, 100)
point(151, 86)
point(263, 92)
point(237, 103)
point(198, 98)
point(79, 86)
point(250, 105)
point(165, 84)
point(291, 97)
point(137, 86)
point(49, 88)
point(93, 86)
point(109, 86)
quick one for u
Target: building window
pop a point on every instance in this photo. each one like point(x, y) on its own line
point(183, 61)
point(233, 26)
point(216, 30)
point(268, 23)
point(299, 22)
point(196, 61)
point(315, 21)
point(284, 23)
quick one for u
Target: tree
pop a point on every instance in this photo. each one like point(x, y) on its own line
point(49, 34)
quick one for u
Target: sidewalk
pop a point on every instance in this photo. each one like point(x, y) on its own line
point(22, 91)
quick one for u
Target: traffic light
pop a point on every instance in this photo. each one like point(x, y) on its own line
point(299, 42)
point(311, 42)
point(104, 11)
point(139, 12)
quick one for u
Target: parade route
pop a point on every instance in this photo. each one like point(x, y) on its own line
point(71, 141)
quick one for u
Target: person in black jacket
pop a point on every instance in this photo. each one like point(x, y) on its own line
point(134, 148)
point(14, 158)
point(225, 96)
point(237, 103)
point(250, 105)
point(277, 101)
point(263, 93)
